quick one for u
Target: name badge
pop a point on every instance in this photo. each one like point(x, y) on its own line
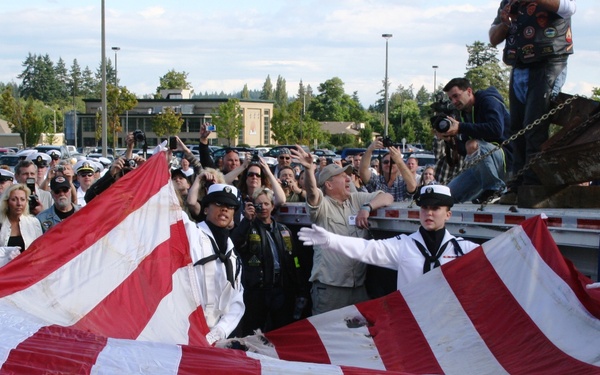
point(352, 220)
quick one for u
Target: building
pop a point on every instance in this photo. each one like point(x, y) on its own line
point(256, 114)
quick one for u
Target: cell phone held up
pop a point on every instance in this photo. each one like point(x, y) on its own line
point(172, 143)
point(211, 128)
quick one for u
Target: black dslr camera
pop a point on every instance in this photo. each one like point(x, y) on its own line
point(255, 158)
point(33, 198)
point(139, 135)
point(258, 208)
point(442, 109)
point(387, 142)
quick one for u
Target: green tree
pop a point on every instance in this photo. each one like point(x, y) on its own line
point(22, 117)
point(62, 81)
point(168, 122)
point(484, 69)
point(245, 92)
point(333, 104)
point(280, 95)
point(228, 120)
point(365, 135)
point(174, 80)
point(89, 84)
point(267, 90)
point(596, 93)
point(118, 100)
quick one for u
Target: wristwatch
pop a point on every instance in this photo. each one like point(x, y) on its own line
point(367, 207)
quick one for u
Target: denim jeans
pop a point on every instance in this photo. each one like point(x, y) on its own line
point(488, 174)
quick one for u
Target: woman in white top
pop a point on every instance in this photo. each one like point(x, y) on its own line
point(18, 228)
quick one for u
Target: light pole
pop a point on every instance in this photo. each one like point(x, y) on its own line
point(116, 49)
point(434, 78)
point(387, 37)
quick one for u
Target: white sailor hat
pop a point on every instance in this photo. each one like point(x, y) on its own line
point(84, 166)
point(434, 195)
point(54, 154)
point(41, 159)
point(221, 193)
point(6, 175)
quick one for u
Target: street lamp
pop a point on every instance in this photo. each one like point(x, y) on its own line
point(116, 49)
point(434, 78)
point(387, 37)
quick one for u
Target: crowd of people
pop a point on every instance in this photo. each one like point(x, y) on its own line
point(251, 271)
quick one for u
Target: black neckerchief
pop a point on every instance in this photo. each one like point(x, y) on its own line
point(221, 235)
point(433, 239)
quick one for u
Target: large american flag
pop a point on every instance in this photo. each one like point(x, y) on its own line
point(107, 292)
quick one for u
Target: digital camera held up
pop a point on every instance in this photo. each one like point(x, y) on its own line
point(258, 208)
point(442, 109)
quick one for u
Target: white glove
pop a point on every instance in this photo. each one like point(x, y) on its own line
point(314, 236)
point(215, 335)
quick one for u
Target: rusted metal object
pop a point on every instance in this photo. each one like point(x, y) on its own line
point(572, 155)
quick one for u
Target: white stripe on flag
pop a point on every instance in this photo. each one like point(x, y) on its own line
point(545, 297)
point(274, 366)
point(347, 346)
point(17, 326)
point(137, 357)
point(62, 298)
point(170, 322)
point(448, 330)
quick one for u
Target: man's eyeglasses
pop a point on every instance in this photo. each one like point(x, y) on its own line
point(254, 174)
point(387, 161)
point(86, 174)
point(63, 190)
point(219, 204)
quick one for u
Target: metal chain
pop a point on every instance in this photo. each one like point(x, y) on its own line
point(538, 156)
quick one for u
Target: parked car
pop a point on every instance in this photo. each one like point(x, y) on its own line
point(326, 153)
point(6, 150)
point(64, 152)
point(10, 160)
point(351, 151)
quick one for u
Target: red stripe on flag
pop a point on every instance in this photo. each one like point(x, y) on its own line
point(548, 250)
point(398, 337)
point(58, 246)
point(509, 333)
point(195, 360)
point(300, 342)
point(139, 294)
point(55, 350)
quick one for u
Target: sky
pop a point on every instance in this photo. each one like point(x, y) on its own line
point(223, 45)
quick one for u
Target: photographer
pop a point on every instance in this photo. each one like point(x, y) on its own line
point(293, 192)
point(26, 173)
point(394, 176)
point(483, 125)
point(270, 274)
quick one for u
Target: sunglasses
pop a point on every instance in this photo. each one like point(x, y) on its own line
point(285, 157)
point(229, 150)
point(388, 162)
point(63, 190)
point(254, 174)
point(218, 204)
point(86, 174)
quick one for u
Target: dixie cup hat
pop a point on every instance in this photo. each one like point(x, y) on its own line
point(434, 195)
point(221, 193)
point(332, 170)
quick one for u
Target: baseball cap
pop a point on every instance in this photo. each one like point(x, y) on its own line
point(332, 170)
point(59, 182)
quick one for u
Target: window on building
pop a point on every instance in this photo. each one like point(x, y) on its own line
point(266, 127)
